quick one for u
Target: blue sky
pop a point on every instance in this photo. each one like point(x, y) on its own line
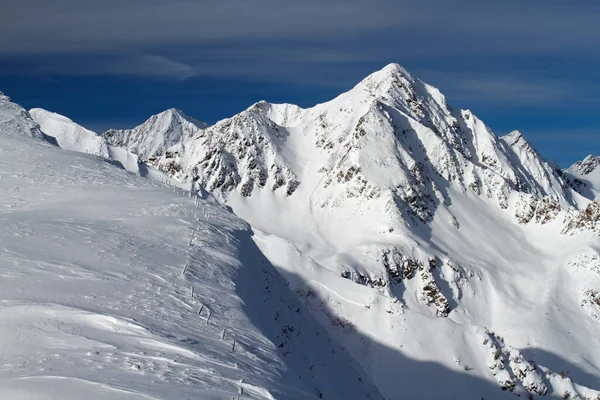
point(532, 66)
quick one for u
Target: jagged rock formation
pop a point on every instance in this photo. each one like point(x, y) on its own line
point(541, 211)
point(512, 371)
point(235, 153)
point(587, 219)
point(588, 165)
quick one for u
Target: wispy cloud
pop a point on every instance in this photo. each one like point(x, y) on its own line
point(230, 34)
point(102, 63)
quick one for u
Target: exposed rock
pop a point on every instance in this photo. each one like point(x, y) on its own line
point(586, 220)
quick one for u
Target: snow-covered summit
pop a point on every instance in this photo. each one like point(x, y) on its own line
point(390, 215)
point(155, 135)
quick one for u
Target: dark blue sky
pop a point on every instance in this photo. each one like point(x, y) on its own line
point(532, 66)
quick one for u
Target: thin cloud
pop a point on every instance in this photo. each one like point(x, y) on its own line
point(268, 39)
point(102, 63)
point(41, 26)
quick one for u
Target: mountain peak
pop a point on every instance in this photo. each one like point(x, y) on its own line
point(175, 113)
point(514, 136)
point(158, 133)
point(588, 165)
point(260, 106)
point(390, 75)
point(391, 70)
point(395, 67)
point(172, 112)
point(515, 139)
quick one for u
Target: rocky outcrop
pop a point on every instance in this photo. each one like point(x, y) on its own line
point(531, 209)
point(512, 371)
point(586, 220)
point(14, 119)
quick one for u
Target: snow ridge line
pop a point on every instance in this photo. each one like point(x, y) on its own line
point(193, 295)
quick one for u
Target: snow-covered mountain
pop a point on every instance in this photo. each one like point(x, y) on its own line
point(157, 134)
point(447, 261)
point(392, 137)
point(430, 212)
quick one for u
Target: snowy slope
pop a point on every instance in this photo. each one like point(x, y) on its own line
point(442, 256)
point(68, 134)
point(97, 268)
point(155, 135)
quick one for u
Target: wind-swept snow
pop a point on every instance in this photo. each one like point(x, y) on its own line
point(68, 134)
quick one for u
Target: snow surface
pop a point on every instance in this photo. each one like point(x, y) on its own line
point(69, 135)
point(73, 137)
